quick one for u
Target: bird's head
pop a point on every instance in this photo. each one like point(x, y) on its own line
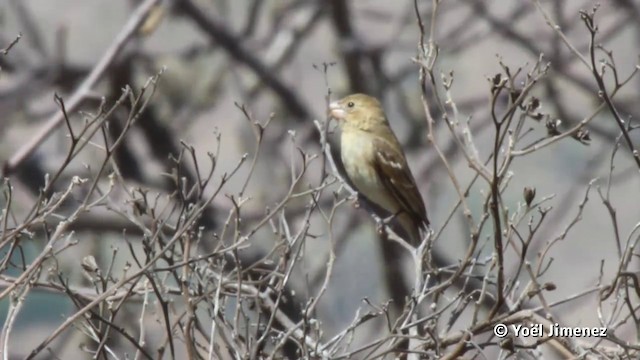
point(358, 110)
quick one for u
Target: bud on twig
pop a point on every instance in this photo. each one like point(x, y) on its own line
point(507, 344)
point(529, 195)
point(89, 264)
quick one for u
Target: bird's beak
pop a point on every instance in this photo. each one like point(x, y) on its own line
point(336, 111)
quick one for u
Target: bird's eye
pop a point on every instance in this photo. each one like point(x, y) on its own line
point(351, 104)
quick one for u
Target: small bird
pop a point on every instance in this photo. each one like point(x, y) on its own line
point(376, 165)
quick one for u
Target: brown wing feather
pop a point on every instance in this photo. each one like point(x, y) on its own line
point(396, 176)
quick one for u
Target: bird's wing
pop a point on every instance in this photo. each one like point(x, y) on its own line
point(395, 175)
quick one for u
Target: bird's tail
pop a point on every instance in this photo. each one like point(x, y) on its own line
point(412, 230)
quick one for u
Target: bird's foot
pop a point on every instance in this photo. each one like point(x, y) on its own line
point(381, 228)
point(356, 203)
point(388, 219)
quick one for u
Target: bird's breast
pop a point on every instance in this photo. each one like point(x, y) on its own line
point(357, 155)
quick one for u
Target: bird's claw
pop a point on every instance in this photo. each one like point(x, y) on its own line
point(356, 200)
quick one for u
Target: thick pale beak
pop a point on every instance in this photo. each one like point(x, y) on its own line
point(336, 111)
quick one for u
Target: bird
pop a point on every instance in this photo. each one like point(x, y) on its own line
point(376, 165)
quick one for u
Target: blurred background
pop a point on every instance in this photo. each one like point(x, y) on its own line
point(279, 60)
